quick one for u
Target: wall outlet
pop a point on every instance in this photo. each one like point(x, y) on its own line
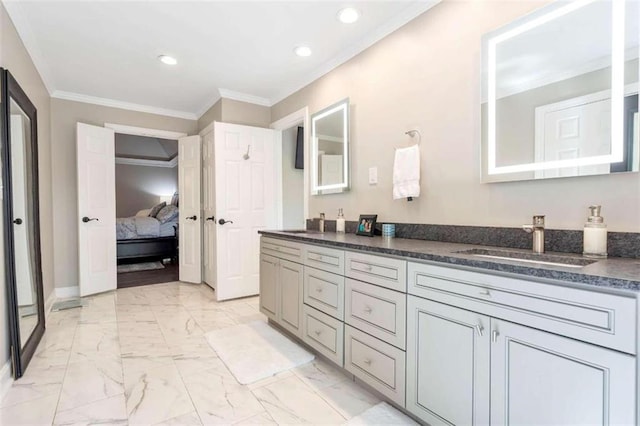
point(373, 175)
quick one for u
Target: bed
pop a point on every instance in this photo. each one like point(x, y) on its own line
point(145, 237)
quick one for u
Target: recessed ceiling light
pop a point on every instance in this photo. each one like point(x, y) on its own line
point(348, 15)
point(169, 60)
point(302, 51)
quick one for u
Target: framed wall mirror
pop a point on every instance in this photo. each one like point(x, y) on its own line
point(560, 92)
point(19, 151)
point(330, 149)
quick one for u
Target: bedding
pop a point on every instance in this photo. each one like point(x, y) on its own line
point(128, 228)
point(156, 209)
point(167, 214)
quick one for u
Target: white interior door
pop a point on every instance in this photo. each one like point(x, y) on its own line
point(573, 132)
point(209, 206)
point(96, 209)
point(190, 231)
point(24, 277)
point(245, 180)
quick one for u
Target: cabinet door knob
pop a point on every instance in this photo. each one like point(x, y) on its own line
point(368, 268)
point(367, 361)
point(485, 292)
point(368, 309)
point(319, 289)
point(494, 336)
point(479, 329)
point(318, 332)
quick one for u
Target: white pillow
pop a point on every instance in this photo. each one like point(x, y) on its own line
point(143, 213)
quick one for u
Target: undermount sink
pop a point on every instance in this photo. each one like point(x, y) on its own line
point(544, 259)
point(300, 231)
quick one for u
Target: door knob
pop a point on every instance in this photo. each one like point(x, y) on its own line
point(18, 221)
point(87, 219)
point(211, 218)
point(194, 217)
point(222, 221)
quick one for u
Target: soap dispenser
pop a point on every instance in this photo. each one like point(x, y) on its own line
point(595, 234)
point(340, 223)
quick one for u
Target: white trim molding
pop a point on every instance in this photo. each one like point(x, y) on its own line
point(244, 97)
point(67, 292)
point(170, 164)
point(294, 119)
point(6, 379)
point(48, 304)
point(113, 103)
point(142, 131)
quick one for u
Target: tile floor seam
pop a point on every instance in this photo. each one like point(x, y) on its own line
point(66, 369)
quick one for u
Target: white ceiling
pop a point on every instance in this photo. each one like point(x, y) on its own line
point(106, 51)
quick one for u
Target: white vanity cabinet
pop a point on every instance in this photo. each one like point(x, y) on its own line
point(281, 283)
point(541, 378)
point(447, 364)
point(471, 366)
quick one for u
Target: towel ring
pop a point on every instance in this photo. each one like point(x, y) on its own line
point(413, 133)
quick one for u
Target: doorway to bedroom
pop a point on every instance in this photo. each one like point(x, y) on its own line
point(147, 209)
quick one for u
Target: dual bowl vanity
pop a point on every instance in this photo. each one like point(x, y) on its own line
point(461, 334)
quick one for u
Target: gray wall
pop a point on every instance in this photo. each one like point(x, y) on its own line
point(14, 57)
point(292, 183)
point(236, 112)
point(140, 187)
point(64, 116)
point(426, 75)
point(212, 114)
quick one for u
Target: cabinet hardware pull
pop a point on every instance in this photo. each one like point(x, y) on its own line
point(367, 361)
point(479, 329)
point(318, 332)
point(367, 309)
point(278, 248)
point(368, 268)
point(485, 293)
point(494, 336)
point(319, 289)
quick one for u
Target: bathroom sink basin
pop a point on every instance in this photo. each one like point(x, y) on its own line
point(544, 259)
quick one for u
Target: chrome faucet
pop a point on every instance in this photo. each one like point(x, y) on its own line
point(537, 228)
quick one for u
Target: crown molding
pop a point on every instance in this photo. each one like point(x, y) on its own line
point(20, 21)
point(244, 97)
point(142, 131)
point(411, 12)
point(207, 106)
point(87, 99)
point(148, 163)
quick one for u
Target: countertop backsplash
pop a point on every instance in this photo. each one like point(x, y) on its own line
point(619, 244)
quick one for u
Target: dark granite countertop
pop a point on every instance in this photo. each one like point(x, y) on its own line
point(611, 273)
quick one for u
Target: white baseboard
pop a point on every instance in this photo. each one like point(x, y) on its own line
point(67, 292)
point(48, 304)
point(6, 379)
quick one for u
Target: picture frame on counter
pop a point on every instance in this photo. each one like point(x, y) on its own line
point(367, 225)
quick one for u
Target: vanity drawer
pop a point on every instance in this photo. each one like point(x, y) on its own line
point(376, 363)
point(327, 259)
point(283, 249)
point(377, 311)
point(383, 271)
point(601, 318)
point(324, 291)
point(323, 333)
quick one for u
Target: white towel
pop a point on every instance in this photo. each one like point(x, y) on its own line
point(406, 173)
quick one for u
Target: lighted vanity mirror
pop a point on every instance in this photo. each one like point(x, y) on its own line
point(560, 93)
point(330, 149)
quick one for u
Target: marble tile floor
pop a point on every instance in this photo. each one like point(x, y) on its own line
point(138, 356)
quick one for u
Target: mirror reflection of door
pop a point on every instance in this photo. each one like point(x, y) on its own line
point(23, 238)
